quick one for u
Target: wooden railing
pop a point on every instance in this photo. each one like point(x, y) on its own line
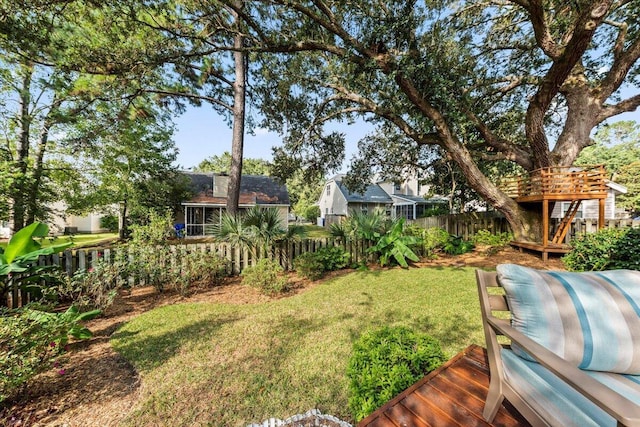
point(558, 181)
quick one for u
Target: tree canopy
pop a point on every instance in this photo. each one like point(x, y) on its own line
point(522, 81)
point(222, 164)
point(617, 147)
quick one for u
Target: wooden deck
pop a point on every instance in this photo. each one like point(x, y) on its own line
point(452, 395)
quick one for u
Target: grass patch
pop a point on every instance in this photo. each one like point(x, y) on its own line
point(79, 240)
point(315, 231)
point(220, 364)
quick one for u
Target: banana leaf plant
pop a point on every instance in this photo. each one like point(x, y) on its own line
point(18, 261)
point(396, 246)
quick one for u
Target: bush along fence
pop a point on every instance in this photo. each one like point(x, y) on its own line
point(235, 259)
point(467, 225)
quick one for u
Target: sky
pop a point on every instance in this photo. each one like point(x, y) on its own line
point(201, 133)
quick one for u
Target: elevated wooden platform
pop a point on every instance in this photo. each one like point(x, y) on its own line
point(539, 190)
point(452, 395)
point(558, 183)
point(551, 248)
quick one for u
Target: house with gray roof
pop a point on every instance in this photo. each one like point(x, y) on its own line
point(336, 201)
point(210, 198)
point(412, 199)
point(406, 199)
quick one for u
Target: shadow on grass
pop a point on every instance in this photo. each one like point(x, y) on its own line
point(148, 352)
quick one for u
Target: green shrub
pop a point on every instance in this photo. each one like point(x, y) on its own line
point(312, 265)
point(609, 248)
point(486, 237)
point(110, 222)
point(197, 268)
point(266, 275)
point(456, 245)
point(433, 239)
point(385, 362)
point(156, 231)
point(30, 339)
point(333, 258)
point(96, 287)
point(309, 265)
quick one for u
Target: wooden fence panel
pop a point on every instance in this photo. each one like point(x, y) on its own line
point(71, 261)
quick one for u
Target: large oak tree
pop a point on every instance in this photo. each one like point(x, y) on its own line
point(521, 81)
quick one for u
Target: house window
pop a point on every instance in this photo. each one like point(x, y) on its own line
point(326, 211)
point(328, 190)
point(363, 208)
point(396, 188)
point(565, 208)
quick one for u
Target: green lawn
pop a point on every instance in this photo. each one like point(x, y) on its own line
point(221, 364)
point(315, 231)
point(79, 240)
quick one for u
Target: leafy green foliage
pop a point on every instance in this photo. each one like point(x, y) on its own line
point(256, 229)
point(267, 275)
point(313, 265)
point(109, 222)
point(486, 237)
point(456, 245)
point(96, 287)
point(385, 362)
point(309, 265)
point(617, 147)
point(156, 230)
point(432, 239)
point(30, 339)
point(159, 264)
point(18, 261)
point(222, 164)
point(362, 225)
point(396, 246)
point(608, 248)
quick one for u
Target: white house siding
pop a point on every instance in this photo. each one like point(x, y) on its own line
point(334, 203)
point(590, 208)
point(283, 212)
point(409, 187)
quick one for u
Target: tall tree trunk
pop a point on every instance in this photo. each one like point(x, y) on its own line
point(239, 100)
point(38, 167)
point(123, 231)
point(20, 188)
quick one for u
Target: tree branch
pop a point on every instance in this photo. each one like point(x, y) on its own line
point(190, 96)
point(628, 105)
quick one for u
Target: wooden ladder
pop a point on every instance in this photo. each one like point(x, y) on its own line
point(565, 224)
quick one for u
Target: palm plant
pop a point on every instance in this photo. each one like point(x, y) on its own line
point(231, 229)
point(256, 229)
point(362, 225)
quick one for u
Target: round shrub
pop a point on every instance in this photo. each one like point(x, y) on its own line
point(267, 275)
point(312, 265)
point(385, 362)
point(309, 265)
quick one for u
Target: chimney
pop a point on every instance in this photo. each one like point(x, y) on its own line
point(220, 185)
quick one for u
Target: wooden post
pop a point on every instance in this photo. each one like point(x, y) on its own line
point(601, 213)
point(545, 223)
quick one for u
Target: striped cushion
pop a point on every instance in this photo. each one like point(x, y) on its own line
point(590, 319)
point(559, 403)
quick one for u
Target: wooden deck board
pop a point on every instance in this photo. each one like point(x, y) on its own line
point(452, 395)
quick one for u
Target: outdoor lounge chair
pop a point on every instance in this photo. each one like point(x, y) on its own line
point(574, 353)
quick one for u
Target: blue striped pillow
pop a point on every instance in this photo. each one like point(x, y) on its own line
point(590, 319)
